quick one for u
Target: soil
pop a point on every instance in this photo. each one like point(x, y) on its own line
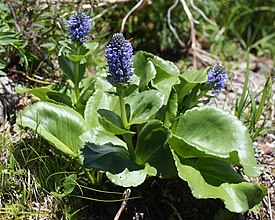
point(162, 198)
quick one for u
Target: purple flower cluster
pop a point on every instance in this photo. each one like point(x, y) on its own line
point(119, 54)
point(217, 78)
point(79, 26)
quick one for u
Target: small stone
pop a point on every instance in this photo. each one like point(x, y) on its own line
point(266, 148)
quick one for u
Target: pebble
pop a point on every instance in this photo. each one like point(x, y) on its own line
point(266, 148)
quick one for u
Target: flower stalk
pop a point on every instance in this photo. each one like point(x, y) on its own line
point(76, 73)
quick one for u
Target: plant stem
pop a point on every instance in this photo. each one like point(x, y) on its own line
point(86, 171)
point(127, 137)
point(90, 176)
point(129, 142)
point(123, 112)
point(76, 75)
point(99, 176)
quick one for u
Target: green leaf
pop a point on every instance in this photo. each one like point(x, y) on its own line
point(189, 80)
point(112, 122)
point(151, 148)
point(68, 186)
point(196, 76)
point(67, 66)
point(165, 67)
point(167, 76)
point(171, 109)
point(218, 133)
point(237, 196)
point(131, 178)
point(48, 95)
point(90, 46)
point(40, 93)
point(87, 89)
point(184, 150)
point(75, 58)
point(217, 172)
point(21, 89)
point(60, 98)
point(98, 135)
point(99, 100)
point(2, 65)
point(107, 157)
point(144, 68)
point(2, 73)
point(58, 124)
point(144, 105)
point(7, 38)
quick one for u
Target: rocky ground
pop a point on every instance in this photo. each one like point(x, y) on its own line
point(264, 146)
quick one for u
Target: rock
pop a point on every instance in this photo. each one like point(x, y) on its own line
point(266, 148)
point(8, 99)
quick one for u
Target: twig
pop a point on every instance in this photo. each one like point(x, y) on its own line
point(195, 50)
point(193, 32)
point(30, 78)
point(128, 14)
point(170, 23)
point(105, 2)
point(221, 31)
point(201, 13)
point(125, 196)
point(100, 14)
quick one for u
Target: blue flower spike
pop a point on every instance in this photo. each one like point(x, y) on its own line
point(217, 77)
point(79, 27)
point(119, 55)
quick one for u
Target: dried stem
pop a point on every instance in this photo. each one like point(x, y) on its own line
point(170, 23)
point(128, 14)
point(193, 32)
point(201, 13)
point(30, 78)
point(125, 196)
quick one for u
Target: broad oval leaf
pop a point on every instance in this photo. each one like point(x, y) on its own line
point(151, 148)
point(112, 122)
point(144, 68)
point(218, 133)
point(237, 196)
point(91, 46)
point(100, 136)
point(75, 58)
point(171, 109)
point(48, 95)
point(196, 76)
point(167, 76)
point(144, 105)
point(189, 80)
point(67, 66)
point(184, 150)
point(59, 98)
point(107, 157)
point(166, 66)
point(99, 100)
point(132, 178)
point(58, 124)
